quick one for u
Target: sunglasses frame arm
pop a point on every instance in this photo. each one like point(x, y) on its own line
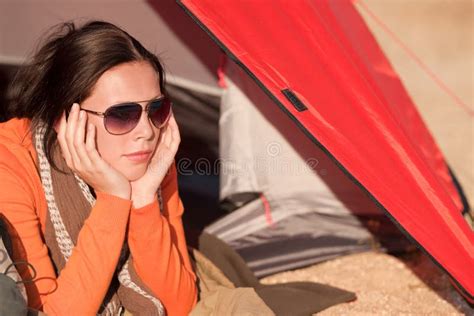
point(101, 114)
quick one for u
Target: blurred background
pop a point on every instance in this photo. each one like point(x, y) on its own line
point(436, 35)
point(439, 32)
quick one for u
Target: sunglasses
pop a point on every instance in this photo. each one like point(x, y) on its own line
point(122, 118)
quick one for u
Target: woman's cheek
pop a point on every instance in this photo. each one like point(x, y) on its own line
point(109, 150)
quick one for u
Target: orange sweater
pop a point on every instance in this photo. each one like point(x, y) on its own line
point(156, 239)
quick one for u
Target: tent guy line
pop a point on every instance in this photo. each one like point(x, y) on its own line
point(441, 84)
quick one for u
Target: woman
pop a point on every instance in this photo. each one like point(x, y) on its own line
point(89, 180)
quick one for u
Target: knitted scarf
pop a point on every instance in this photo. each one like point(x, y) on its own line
point(69, 202)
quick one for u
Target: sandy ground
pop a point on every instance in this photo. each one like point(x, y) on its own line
point(385, 285)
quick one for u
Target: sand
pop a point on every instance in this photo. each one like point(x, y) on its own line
point(384, 284)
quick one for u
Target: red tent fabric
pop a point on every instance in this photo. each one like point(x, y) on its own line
point(320, 64)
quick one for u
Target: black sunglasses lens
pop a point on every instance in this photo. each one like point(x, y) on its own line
point(159, 111)
point(123, 118)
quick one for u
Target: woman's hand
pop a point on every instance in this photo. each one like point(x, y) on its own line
point(81, 155)
point(144, 189)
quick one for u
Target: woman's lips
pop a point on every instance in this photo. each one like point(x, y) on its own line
point(139, 156)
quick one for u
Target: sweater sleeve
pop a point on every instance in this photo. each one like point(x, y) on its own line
point(83, 282)
point(158, 246)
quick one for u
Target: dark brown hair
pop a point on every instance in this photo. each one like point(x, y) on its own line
point(65, 69)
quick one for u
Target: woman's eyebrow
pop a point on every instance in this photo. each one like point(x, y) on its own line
point(148, 100)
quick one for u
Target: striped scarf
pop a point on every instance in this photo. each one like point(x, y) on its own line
point(69, 202)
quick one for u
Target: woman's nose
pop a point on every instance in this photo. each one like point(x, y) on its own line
point(144, 128)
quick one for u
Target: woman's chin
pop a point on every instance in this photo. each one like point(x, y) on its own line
point(134, 174)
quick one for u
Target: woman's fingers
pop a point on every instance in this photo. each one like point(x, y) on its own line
point(62, 139)
point(71, 137)
point(166, 135)
point(91, 147)
point(169, 132)
point(168, 143)
point(174, 136)
point(103, 177)
point(81, 155)
point(176, 133)
point(90, 139)
point(70, 134)
point(79, 141)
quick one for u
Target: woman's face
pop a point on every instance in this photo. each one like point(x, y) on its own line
point(133, 81)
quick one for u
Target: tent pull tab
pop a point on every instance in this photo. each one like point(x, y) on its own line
point(294, 100)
